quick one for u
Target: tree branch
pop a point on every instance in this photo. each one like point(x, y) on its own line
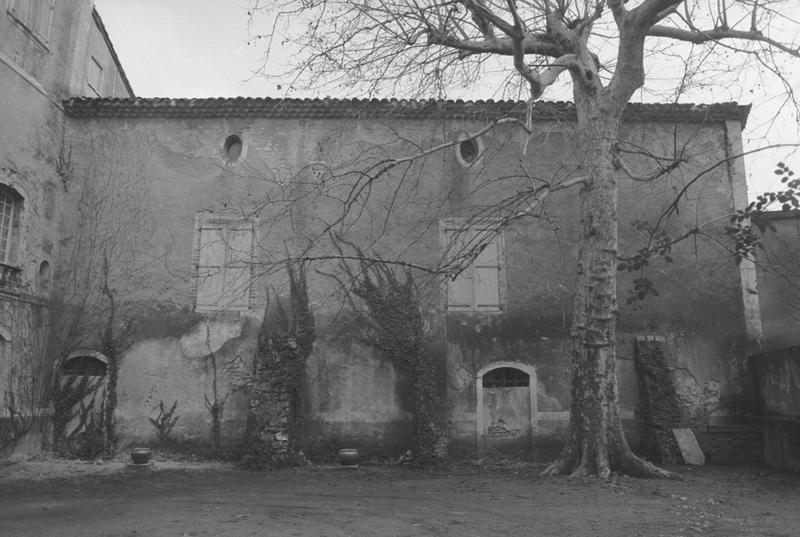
point(477, 8)
point(620, 164)
point(651, 11)
point(717, 34)
point(503, 46)
point(567, 61)
point(366, 258)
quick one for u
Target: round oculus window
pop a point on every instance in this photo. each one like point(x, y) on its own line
point(469, 150)
point(233, 148)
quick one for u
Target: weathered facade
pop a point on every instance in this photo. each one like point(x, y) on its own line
point(776, 376)
point(196, 204)
point(48, 51)
point(267, 178)
point(776, 372)
point(779, 280)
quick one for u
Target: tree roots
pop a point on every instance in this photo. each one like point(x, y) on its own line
point(603, 465)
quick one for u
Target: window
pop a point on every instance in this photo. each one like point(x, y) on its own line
point(94, 76)
point(43, 279)
point(10, 206)
point(85, 366)
point(34, 15)
point(506, 377)
point(469, 150)
point(224, 249)
point(234, 149)
point(477, 287)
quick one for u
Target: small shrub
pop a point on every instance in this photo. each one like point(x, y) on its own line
point(165, 421)
point(216, 407)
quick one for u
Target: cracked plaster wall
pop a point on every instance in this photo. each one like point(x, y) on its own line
point(360, 396)
point(779, 281)
point(178, 368)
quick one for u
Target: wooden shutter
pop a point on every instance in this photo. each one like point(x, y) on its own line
point(211, 274)
point(486, 270)
point(477, 288)
point(36, 15)
point(237, 268)
point(460, 291)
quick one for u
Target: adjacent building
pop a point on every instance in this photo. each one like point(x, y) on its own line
point(49, 51)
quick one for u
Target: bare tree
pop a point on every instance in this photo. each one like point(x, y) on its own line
point(606, 48)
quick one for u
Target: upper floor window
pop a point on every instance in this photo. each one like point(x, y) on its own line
point(224, 253)
point(469, 150)
point(10, 208)
point(34, 15)
point(94, 76)
point(478, 286)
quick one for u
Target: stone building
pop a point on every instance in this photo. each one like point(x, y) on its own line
point(237, 184)
point(48, 51)
point(210, 196)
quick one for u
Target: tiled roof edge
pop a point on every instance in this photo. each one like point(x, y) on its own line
point(82, 107)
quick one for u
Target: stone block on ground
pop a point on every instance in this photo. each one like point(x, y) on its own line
point(690, 449)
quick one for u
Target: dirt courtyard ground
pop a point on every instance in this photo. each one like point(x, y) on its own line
point(179, 500)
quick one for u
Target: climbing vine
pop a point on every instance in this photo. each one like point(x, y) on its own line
point(386, 302)
point(276, 425)
point(659, 410)
point(75, 425)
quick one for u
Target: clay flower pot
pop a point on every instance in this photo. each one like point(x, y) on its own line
point(141, 455)
point(349, 457)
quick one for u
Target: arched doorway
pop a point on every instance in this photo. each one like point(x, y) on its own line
point(506, 407)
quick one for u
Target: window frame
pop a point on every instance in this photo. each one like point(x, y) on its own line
point(89, 365)
point(476, 141)
point(10, 243)
point(227, 225)
point(450, 226)
point(502, 377)
point(94, 61)
point(24, 12)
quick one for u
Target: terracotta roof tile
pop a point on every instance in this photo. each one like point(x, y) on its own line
point(267, 107)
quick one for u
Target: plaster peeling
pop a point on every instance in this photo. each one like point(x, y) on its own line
point(210, 336)
point(702, 399)
point(461, 379)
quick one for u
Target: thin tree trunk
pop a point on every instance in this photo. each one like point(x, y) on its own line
point(110, 350)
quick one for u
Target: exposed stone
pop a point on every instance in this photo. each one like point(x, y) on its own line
point(690, 449)
point(209, 336)
point(659, 410)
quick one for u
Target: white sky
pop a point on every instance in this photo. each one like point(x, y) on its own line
point(198, 48)
point(185, 48)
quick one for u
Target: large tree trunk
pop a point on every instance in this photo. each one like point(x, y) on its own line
point(596, 442)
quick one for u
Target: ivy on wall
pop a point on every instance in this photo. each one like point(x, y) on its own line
point(276, 419)
point(386, 302)
point(659, 410)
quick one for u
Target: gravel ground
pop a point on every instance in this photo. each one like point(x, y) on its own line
point(56, 498)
